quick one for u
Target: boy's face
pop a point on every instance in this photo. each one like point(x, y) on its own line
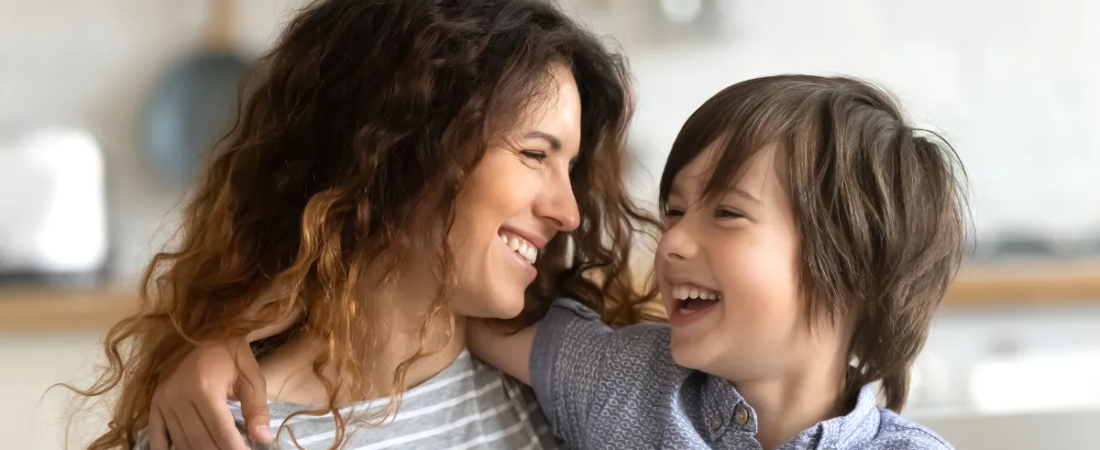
point(728, 271)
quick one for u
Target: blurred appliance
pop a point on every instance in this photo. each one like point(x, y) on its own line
point(1034, 245)
point(196, 101)
point(53, 218)
point(659, 22)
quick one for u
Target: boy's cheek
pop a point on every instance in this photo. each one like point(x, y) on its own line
point(702, 345)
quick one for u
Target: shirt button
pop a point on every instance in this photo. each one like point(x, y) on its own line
point(741, 416)
point(716, 422)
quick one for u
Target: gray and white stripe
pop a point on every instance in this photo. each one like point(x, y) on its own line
point(467, 406)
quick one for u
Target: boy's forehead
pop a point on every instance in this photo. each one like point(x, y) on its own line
point(750, 177)
point(697, 172)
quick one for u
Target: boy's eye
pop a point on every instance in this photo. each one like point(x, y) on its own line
point(536, 155)
point(727, 214)
point(673, 212)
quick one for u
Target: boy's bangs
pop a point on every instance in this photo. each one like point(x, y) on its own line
point(736, 129)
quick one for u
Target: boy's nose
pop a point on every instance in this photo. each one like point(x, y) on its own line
point(677, 244)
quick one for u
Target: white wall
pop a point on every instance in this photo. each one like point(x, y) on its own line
point(29, 365)
point(1011, 83)
point(1015, 86)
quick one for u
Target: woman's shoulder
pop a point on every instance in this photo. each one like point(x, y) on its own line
point(469, 401)
point(488, 377)
point(143, 441)
point(513, 406)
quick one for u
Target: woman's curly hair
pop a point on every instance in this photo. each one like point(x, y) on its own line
point(365, 115)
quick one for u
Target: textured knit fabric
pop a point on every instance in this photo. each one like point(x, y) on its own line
point(604, 389)
point(467, 406)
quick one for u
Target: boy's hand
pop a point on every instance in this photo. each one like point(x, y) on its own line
point(189, 405)
point(509, 353)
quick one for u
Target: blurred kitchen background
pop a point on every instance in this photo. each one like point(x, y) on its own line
point(90, 176)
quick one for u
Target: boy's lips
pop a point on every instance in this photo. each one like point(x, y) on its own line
point(686, 312)
point(688, 300)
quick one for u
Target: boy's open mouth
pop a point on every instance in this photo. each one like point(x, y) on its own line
point(691, 298)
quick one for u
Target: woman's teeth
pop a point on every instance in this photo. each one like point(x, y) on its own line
point(687, 292)
point(519, 245)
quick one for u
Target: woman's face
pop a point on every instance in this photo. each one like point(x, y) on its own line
point(517, 199)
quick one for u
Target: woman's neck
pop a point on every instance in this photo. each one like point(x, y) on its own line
point(289, 372)
point(786, 406)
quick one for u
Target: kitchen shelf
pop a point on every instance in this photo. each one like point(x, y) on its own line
point(24, 309)
point(978, 285)
point(1025, 282)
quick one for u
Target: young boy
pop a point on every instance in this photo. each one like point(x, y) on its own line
point(811, 236)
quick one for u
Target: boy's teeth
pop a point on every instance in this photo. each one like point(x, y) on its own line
point(682, 292)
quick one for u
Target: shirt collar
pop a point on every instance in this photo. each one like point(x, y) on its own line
point(854, 429)
point(721, 400)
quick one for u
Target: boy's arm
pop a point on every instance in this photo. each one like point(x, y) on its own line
point(198, 387)
point(563, 358)
point(509, 353)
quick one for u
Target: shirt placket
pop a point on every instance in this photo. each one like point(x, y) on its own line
point(731, 421)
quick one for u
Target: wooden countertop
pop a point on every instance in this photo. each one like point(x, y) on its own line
point(1025, 282)
point(977, 285)
point(24, 309)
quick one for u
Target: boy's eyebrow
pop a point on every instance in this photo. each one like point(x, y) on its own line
point(741, 193)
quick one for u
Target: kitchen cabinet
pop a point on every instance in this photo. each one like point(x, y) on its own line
point(1029, 431)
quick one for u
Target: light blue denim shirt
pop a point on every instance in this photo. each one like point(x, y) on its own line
point(605, 389)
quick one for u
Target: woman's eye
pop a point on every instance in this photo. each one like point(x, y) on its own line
point(534, 154)
point(672, 212)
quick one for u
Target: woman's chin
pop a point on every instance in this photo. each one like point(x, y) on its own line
point(508, 310)
point(496, 305)
point(506, 305)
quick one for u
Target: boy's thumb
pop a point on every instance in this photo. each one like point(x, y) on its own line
point(254, 408)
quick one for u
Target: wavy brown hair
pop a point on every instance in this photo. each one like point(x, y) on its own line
point(367, 118)
point(880, 206)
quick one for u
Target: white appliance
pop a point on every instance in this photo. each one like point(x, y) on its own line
point(53, 215)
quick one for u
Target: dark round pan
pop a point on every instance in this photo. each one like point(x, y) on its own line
point(193, 105)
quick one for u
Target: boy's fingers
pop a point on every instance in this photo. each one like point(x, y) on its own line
point(219, 423)
point(157, 430)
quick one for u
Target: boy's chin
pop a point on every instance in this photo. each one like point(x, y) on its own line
point(692, 355)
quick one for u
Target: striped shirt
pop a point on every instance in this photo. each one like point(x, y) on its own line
point(469, 405)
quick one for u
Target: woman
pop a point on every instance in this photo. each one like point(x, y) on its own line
point(401, 165)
